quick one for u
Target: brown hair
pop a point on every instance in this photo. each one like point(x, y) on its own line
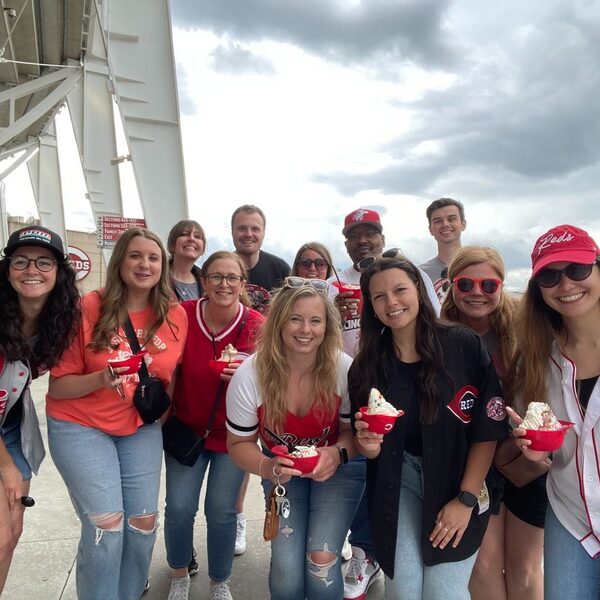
point(244, 298)
point(442, 203)
point(250, 209)
point(178, 229)
point(319, 249)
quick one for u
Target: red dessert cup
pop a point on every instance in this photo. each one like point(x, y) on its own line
point(305, 464)
point(379, 423)
point(133, 362)
point(547, 441)
point(217, 366)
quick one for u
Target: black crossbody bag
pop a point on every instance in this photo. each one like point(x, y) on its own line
point(179, 439)
point(150, 397)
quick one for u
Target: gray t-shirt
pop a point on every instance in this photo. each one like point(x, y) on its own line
point(434, 268)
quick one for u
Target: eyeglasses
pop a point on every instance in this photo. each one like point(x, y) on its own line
point(217, 278)
point(365, 263)
point(356, 235)
point(575, 272)
point(297, 282)
point(42, 263)
point(320, 263)
point(488, 285)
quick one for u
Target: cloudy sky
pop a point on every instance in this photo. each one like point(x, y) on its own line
point(312, 108)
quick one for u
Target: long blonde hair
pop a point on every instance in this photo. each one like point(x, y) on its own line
point(113, 311)
point(272, 366)
point(502, 320)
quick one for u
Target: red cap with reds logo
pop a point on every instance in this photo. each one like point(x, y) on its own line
point(563, 243)
point(362, 216)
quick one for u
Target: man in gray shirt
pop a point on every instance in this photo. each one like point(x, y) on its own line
point(446, 218)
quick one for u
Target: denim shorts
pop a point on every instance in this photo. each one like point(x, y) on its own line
point(11, 436)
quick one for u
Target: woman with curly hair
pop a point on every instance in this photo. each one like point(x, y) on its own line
point(109, 459)
point(39, 312)
point(558, 362)
point(295, 386)
point(509, 563)
point(313, 261)
point(426, 479)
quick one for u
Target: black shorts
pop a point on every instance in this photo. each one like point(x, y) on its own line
point(529, 502)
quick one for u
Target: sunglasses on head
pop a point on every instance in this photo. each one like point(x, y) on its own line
point(297, 282)
point(575, 272)
point(488, 285)
point(320, 263)
point(365, 263)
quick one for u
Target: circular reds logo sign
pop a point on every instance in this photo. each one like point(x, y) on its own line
point(80, 261)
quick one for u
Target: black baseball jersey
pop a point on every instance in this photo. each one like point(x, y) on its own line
point(470, 411)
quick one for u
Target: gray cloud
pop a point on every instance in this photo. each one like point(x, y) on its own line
point(187, 104)
point(232, 59)
point(372, 31)
point(526, 109)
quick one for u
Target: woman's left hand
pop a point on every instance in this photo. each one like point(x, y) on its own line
point(229, 370)
point(329, 461)
point(451, 522)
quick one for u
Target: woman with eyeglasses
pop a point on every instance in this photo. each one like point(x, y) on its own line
point(313, 261)
point(296, 387)
point(426, 479)
point(186, 243)
point(39, 314)
point(219, 319)
point(509, 563)
point(558, 362)
point(109, 459)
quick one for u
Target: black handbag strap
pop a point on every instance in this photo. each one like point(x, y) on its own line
point(221, 382)
point(134, 344)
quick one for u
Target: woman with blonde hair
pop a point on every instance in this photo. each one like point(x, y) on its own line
point(313, 261)
point(296, 386)
point(558, 362)
point(108, 457)
point(509, 563)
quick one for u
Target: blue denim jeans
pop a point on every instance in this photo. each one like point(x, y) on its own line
point(360, 530)
point(412, 579)
point(319, 519)
point(183, 495)
point(106, 476)
point(11, 437)
point(570, 573)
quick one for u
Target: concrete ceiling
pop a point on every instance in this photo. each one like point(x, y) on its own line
point(42, 32)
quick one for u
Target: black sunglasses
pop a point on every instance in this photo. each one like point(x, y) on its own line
point(320, 263)
point(365, 263)
point(488, 285)
point(548, 278)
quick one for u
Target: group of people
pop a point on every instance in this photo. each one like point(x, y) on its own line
point(428, 503)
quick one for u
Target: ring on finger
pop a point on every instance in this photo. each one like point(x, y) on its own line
point(275, 471)
point(439, 524)
point(445, 528)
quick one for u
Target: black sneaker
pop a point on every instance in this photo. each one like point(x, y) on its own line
point(193, 566)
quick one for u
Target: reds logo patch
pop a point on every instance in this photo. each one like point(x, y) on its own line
point(463, 402)
point(3, 401)
point(495, 408)
point(359, 214)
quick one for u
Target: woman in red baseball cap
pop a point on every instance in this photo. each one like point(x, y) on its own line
point(39, 312)
point(558, 362)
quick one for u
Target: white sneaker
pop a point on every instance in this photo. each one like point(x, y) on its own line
point(240, 535)
point(219, 590)
point(361, 574)
point(346, 549)
point(180, 588)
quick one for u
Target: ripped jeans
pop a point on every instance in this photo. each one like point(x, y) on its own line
point(320, 517)
point(113, 482)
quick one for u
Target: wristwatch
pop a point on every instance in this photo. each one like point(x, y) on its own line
point(467, 499)
point(343, 454)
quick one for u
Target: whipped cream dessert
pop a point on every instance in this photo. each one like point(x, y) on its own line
point(378, 405)
point(304, 452)
point(228, 354)
point(540, 417)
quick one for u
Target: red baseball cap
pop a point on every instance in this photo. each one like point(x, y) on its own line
point(362, 216)
point(563, 243)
